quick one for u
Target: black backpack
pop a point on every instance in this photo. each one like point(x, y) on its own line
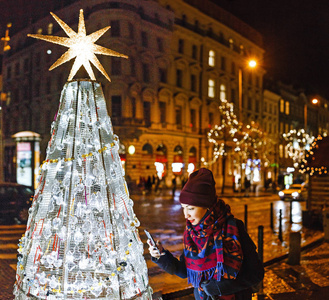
point(252, 270)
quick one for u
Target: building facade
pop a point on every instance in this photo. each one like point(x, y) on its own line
point(184, 56)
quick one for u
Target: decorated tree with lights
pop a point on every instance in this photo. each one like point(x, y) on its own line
point(81, 240)
point(227, 133)
point(298, 142)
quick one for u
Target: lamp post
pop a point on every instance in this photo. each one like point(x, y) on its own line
point(314, 101)
point(251, 64)
point(3, 97)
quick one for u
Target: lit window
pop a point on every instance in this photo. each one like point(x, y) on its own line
point(287, 108)
point(211, 88)
point(222, 94)
point(281, 150)
point(281, 106)
point(50, 28)
point(211, 58)
point(39, 31)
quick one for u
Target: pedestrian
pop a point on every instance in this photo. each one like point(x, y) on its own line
point(246, 186)
point(212, 256)
point(173, 186)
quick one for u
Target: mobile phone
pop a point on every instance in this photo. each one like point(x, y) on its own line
point(149, 236)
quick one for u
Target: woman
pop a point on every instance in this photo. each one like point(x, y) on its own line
point(212, 256)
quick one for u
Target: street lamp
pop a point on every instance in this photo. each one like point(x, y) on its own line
point(314, 101)
point(251, 64)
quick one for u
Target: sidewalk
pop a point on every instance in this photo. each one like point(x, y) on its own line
point(307, 281)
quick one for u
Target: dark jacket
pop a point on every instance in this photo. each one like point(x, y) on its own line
point(239, 286)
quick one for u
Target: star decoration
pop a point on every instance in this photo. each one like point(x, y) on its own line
point(82, 47)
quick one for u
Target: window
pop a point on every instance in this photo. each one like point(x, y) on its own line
point(50, 28)
point(286, 128)
point(223, 63)
point(144, 39)
point(281, 151)
point(181, 46)
point(179, 78)
point(115, 28)
point(163, 75)
point(39, 31)
point(163, 117)
point(193, 83)
point(131, 30)
point(231, 41)
point(281, 106)
point(210, 119)
point(265, 106)
point(132, 66)
point(193, 119)
point(222, 93)
point(287, 108)
point(249, 103)
point(146, 73)
point(160, 44)
point(17, 69)
point(133, 107)
point(257, 82)
point(233, 70)
point(178, 117)
point(286, 153)
point(116, 65)
point(233, 96)
point(281, 127)
point(257, 106)
point(194, 52)
point(147, 113)
point(211, 88)
point(8, 72)
point(211, 58)
point(116, 106)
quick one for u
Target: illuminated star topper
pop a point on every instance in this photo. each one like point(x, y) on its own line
point(81, 46)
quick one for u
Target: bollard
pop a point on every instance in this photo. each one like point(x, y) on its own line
point(290, 212)
point(261, 251)
point(294, 248)
point(261, 242)
point(271, 217)
point(246, 217)
point(280, 226)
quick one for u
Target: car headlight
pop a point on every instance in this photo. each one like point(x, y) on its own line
point(295, 194)
point(281, 194)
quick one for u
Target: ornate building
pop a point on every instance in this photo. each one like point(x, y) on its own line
point(184, 56)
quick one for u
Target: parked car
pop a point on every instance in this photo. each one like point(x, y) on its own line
point(295, 191)
point(15, 201)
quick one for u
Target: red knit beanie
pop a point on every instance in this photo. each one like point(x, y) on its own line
point(199, 190)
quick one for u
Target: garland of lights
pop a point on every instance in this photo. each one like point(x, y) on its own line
point(228, 129)
point(312, 170)
point(297, 142)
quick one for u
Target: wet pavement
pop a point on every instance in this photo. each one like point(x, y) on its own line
point(161, 214)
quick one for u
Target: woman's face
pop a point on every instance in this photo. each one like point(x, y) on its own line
point(193, 213)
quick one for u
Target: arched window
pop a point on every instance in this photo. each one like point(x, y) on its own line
point(147, 150)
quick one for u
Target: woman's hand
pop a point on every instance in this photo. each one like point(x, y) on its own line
point(154, 251)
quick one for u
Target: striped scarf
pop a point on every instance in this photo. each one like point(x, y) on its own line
point(212, 249)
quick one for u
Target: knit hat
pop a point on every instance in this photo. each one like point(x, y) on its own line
point(199, 190)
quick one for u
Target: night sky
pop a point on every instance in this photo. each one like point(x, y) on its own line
point(296, 39)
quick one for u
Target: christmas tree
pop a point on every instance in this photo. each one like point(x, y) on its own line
point(81, 240)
